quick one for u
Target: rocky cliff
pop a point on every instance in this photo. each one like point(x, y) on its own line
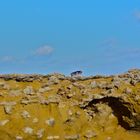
point(56, 107)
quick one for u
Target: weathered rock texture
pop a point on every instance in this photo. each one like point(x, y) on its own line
point(56, 107)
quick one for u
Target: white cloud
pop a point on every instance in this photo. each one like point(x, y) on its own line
point(137, 14)
point(7, 59)
point(109, 42)
point(44, 50)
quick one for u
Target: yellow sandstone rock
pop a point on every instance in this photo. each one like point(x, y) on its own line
point(56, 107)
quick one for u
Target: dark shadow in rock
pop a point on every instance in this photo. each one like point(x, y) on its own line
point(119, 108)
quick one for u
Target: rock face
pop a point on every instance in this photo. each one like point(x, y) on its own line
point(56, 107)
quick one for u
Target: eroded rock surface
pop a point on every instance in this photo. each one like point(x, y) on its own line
point(56, 107)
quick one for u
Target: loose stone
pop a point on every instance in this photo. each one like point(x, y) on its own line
point(3, 122)
point(40, 133)
point(8, 109)
point(28, 130)
point(19, 138)
point(50, 122)
point(25, 114)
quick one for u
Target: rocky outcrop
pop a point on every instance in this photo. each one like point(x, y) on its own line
point(57, 107)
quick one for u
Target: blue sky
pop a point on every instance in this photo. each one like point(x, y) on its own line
point(46, 36)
